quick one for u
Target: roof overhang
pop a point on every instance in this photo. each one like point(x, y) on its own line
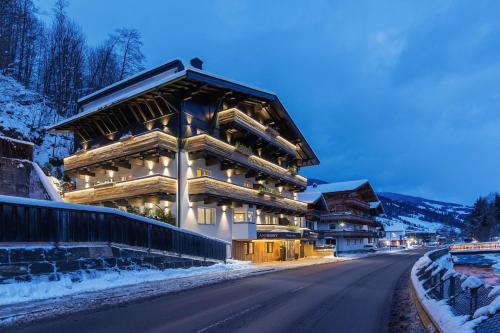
point(172, 73)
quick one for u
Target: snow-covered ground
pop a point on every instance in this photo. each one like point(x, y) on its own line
point(24, 114)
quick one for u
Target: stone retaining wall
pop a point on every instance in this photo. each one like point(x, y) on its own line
point(24, 263)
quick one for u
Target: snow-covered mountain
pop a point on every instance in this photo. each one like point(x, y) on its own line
point(24, 115)
point(414, 213)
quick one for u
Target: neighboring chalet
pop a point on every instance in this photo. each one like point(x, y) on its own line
point(343, 214)
point(211, 155)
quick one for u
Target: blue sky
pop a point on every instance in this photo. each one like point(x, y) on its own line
point(404, 93)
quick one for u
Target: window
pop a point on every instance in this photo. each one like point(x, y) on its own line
point(332, 226)
point(269, 247)
point(239, 215)
point(271, 219)
point(248, 184)
point(206, 215)
point(250, 216)
point(348, 242)
point(248, 247)
point(202, 172)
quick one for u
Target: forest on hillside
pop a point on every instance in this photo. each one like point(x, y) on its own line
point(483, 223)
point(52, 57)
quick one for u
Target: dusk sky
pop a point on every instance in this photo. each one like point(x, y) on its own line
point(406, 94)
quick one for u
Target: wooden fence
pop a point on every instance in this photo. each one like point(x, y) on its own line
point(28, 220)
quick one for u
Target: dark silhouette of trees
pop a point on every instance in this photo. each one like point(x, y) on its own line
point(483, 223)
point(55, 60)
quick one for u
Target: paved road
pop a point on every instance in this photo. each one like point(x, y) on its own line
point(352, 296)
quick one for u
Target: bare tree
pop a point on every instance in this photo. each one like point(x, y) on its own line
point(132, 59)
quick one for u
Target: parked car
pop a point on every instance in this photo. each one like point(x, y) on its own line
point(370, 248)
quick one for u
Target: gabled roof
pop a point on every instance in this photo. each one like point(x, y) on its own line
point(169, 73)
point(337, 187)
point(314, 192)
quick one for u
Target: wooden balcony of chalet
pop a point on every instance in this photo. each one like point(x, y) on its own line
point(350, 217)
point(349, 233)
point(210, 190)
point(211, 148)
point(239, 120)
point(154, 186)
point(117, 154)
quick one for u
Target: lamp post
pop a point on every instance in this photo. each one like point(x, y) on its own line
point(342, 225)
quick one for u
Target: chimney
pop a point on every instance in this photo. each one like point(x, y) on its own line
point(197, 63)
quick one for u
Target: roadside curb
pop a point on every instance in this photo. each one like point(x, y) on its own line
point(427, 321)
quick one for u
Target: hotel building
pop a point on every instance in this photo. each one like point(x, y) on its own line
point(343, 214)
point(199, 151)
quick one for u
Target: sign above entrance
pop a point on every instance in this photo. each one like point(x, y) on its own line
point(278, 235)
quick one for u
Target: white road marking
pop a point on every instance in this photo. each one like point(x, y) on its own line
point(225, 320)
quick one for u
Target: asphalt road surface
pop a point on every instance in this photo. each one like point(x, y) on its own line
point(350, 296)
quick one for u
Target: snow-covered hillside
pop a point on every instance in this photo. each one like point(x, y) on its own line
point(24, 115)
point(414, 213)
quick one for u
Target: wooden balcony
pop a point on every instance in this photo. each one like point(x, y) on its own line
point(205, 188)
point(225, 151)
point(156, 185)
point(153, 142)
point(349, 218)
point(349, 233)
point(239, 119)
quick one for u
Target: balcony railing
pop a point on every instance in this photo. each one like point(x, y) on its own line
point(128, 146)
point(204, 142)
point(148, 185)
point(349, 217)
point(209, 187)
point(349, 233)
point(357, 203)
point(242, 120)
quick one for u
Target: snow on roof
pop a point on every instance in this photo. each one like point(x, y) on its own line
point(336, 187)
point(309, 197)
point(375, 204)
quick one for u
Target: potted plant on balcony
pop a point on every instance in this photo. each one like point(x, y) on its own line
point(293, 170)
point(243, 149)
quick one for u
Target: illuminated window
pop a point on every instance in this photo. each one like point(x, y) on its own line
point(248, 248)
point(239, 215)
point(269, 247)
point(202, 172)
point(248, 184)
point(206, 215)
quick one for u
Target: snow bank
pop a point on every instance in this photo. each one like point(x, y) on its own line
point(42, 288)
point(47, 183)
point(490, 309)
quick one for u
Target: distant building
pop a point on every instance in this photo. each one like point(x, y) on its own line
point(393, 238)
point(212, 155)
point(343, 214)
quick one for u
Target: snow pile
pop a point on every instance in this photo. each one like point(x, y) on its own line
point(88, 281)
point(47, 183)
point(471, 282)
point(490, 309)
point(24, 115)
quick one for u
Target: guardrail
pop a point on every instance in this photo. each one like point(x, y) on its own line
point(468, 304)
point(29, 220)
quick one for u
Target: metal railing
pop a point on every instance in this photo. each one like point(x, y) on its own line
point(28, 220)
point(462, 301)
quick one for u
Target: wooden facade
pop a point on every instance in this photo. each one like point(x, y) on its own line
point(202, 187)
point(154, 142)
point(155, 186)
point(227, 152)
